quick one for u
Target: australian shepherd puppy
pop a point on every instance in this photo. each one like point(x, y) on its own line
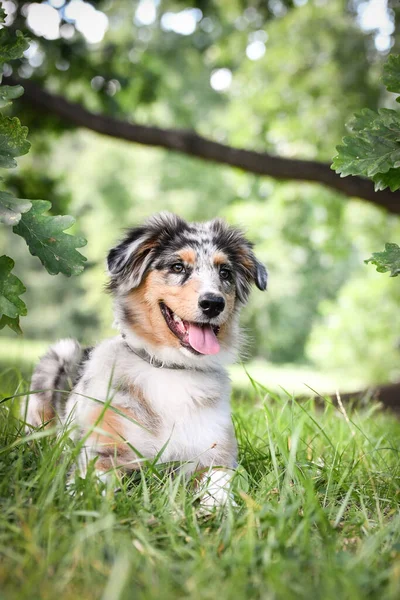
point(160, 388)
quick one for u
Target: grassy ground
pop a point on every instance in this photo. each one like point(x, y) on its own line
point(318, 515)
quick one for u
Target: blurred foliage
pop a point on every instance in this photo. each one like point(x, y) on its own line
point(298, 235)
point(314, 68)
point(43, 234)
point(30, 183)
point(359, 330)
point(373, 150)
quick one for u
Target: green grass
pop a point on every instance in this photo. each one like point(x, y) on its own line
point(318, 514)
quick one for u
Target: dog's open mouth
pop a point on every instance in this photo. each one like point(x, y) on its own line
point(200, 338)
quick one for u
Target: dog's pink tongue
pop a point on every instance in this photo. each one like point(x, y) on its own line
point(203, 339)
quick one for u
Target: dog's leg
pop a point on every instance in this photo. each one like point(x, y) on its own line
point(109, 466)
point(214, 486)
point(214, 476)
point(105, 443)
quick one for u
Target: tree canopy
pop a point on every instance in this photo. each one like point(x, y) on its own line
point(126, 84)
point(266, 89)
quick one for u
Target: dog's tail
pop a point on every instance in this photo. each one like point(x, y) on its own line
point(55, 374)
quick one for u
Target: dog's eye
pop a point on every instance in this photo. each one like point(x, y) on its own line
point(225, 274)
point(178, 268)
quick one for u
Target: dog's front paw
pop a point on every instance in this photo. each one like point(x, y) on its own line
point(215, 490)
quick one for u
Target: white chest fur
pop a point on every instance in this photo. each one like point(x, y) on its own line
point(194, 412)
point(192, 407)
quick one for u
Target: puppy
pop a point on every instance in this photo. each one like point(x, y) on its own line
point(159, 390)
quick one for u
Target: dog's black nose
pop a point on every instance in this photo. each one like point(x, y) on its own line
point(212, 305)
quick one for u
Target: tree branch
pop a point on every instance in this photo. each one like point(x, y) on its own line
point(188, 142)
point(388, 395)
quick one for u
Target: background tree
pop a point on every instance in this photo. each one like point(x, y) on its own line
point(206, 45)
point(277, 78)
point(373, 150)
point(43, 234)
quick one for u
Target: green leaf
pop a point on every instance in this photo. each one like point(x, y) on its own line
point(46, 239)
point(2, 15)
point(8, 93)
point(391, 179)
point(362, 120)
point(391, 74)
point(11, 208)
point(13, 141)
point(12, 324)
point(388, 260)
point(12, 46)
point(374, 148)
point(11, 306)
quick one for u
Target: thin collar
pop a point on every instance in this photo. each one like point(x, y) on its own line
point(158, 364)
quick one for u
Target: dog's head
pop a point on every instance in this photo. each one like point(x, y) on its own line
point(179, 285)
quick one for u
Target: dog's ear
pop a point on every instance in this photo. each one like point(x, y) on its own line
point(248, 268)
point(261, 275)
point(132, 258)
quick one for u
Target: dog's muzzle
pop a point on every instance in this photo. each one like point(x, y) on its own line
point(211, 305)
